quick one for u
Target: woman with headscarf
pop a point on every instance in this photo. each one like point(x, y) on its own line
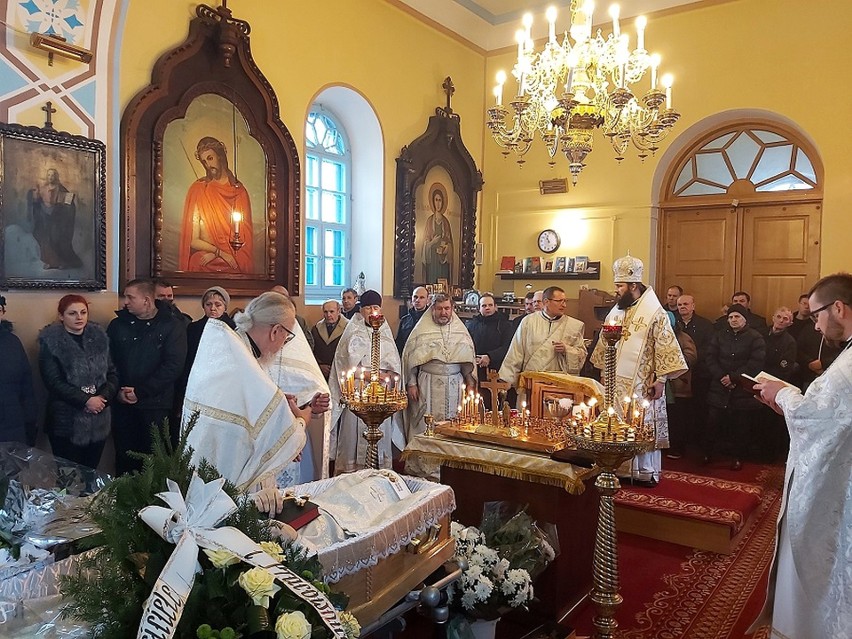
point(215, 302)
point(81, 380)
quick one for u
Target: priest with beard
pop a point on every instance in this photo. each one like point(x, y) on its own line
point(547, 340)
point(437, 364)
point(648, 355)
point(348, 448)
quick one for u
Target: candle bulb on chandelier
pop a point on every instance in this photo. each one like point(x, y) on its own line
point(550, 14)
point(668, 80)
point(527, 21)
point(655, 63)
point(614, 10)
point(641, 23)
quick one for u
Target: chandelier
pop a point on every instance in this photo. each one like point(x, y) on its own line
point(570, 89)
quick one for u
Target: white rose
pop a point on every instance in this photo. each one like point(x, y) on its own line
point(293, 625)
point(259, 585)
point(221, 558)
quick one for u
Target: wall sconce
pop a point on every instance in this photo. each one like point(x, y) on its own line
point(58, 45)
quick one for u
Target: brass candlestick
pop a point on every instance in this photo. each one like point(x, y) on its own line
point(611, 441)
point(374, 401)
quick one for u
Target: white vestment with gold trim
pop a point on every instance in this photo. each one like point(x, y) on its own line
point(532, 347)
point(245, 426)
point(647, 350)
point(347, 447)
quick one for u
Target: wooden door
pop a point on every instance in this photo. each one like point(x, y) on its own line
point(780, 253)
point(700, 255)
point(769, 250)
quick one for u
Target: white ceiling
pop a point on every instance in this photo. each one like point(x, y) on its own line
point(491, 24)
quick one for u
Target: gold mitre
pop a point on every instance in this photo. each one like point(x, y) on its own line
point(627, 269)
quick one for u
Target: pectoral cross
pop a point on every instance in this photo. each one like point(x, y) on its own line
point(494, 386)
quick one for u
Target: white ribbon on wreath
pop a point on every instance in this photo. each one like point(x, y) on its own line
point(191, 524)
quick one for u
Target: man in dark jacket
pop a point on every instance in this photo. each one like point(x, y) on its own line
point(148, 346)
point(419, 302)
point(164, 291)
point(17, 400)
point(492, 333)
point(753, 320)
point(349, 302)
point(736, 350)
point(772, 438)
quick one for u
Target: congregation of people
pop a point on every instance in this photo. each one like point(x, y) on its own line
point(135, 372)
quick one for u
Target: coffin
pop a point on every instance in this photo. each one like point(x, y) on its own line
point(385, 562)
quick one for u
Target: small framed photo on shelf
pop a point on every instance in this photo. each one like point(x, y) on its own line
point(457, 294)
point(471, 298)
point(581, 263)
point(441, 286)
point(559, 265)
point(430, 288)
point(548, 266)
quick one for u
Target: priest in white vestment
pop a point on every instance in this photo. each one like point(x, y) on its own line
point(347, 447)
point(810, 588)
point(547, 340)
point(648, 354)
point(438, 360)
point(295, 371)
point(247, 427)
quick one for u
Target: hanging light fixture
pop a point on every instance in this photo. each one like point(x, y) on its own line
point(570, 89)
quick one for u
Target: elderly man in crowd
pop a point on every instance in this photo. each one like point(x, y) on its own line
point(438, 361)
point(648, 355)
point(419, 302)
point(327, 333)
point(548, 340)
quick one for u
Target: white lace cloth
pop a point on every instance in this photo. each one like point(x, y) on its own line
point(381, 534)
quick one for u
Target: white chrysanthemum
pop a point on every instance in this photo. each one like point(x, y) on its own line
point(485, 556)
point(516, 587)
point(547, 550)
point(351, 627)
point(483, 588)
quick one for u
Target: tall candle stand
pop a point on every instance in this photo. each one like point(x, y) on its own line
point(610, 440)
point(373, 402)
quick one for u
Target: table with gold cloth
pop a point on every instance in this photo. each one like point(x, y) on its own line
point(554, 492)
point(492, 459)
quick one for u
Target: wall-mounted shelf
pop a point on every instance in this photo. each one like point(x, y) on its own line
point(550, 276)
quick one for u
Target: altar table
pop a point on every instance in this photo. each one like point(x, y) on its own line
point(555, 492)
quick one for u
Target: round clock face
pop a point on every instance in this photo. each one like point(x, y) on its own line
point(548, 241)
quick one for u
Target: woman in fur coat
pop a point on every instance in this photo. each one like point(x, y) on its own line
point(81, 381)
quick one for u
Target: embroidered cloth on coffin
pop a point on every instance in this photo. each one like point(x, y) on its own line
point(348, 507)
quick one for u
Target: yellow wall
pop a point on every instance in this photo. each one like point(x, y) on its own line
point(775, 55)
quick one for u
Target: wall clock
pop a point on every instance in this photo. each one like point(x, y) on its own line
point(548, 241)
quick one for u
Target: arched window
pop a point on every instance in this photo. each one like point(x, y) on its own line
point(758, 160)
point(328, 213)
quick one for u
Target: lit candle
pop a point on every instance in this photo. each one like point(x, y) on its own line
point(570, 82)
point(551, 24)
point(655, 63)
point(236, 217)
point(668, 80)
point(527, 21)
point(498, 90)
point(613, 13)
point(641, 23)
point(520, 39)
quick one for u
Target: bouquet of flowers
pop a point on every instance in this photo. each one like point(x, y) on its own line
point(502, 558)
point(229, 598)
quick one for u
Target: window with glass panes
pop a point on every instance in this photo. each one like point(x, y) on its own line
point(327, 206)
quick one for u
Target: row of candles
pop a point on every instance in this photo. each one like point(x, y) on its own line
point(361, 390)
point(590, 422)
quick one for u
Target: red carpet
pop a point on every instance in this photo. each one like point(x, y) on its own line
point(696, 497)
point(671, 591)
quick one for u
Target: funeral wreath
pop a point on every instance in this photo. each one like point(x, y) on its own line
point(243, 580)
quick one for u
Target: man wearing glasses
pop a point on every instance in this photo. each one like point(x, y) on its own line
point(812, 593)
point(547, 340)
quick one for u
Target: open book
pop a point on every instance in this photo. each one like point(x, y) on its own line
point(747, 382)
